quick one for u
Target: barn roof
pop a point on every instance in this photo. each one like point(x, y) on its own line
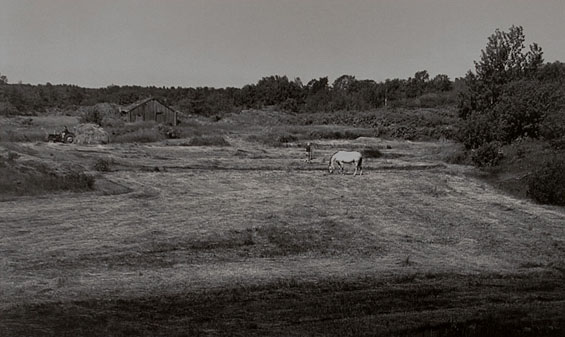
point(141, 102)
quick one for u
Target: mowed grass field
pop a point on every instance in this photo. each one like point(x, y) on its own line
point(251, 240)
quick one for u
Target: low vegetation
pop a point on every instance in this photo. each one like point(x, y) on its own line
point(34, 178)
point(208, 141)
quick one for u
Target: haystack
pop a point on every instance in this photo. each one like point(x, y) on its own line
point(91, 134)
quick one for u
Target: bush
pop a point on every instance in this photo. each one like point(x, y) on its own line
point(103, 114)
point(487, 155)
point(521, 109)
point(477, 129)
point(102, 165)
point(547, 184)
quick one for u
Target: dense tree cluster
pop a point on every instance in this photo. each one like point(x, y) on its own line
point(511, 92)
point(346, 93)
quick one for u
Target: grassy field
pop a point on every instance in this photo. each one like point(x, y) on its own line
point(249, 239)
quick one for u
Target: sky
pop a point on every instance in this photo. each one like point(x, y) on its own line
point(231, 43)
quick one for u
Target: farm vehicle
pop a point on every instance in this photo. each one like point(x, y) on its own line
point(64, 136)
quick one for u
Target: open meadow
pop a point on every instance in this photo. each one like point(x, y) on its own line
point(251, 240)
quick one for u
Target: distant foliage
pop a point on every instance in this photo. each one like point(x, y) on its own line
point(487, 155)
point(346, 93)
point(547, 184)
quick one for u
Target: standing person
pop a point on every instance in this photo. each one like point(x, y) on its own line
point(309, 151)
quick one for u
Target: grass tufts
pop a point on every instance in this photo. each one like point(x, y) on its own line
point(208, 141)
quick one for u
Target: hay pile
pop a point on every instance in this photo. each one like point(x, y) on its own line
point(91, 134)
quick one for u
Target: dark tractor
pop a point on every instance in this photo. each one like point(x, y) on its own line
point(62, 137)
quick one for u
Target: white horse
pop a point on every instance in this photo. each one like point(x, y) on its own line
point(346, 157)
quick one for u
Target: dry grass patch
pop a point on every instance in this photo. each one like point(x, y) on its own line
point(242, 245)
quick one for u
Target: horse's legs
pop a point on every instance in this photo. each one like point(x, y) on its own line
point(358, 168)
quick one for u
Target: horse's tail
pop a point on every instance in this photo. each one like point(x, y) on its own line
point(360, 161)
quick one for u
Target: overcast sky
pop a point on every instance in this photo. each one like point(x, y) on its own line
point(220, 43)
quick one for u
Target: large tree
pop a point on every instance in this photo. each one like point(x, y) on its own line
point(510, 94)
point(502, 61)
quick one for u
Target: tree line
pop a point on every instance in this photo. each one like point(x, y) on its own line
point(345, 93)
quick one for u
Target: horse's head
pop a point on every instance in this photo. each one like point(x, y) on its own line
point(331, 167)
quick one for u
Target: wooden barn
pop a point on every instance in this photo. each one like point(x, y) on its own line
point(151, 109)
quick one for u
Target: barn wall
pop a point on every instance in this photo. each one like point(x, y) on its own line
point(153, 111)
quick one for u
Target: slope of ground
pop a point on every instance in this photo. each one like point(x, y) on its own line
point(251, 240)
